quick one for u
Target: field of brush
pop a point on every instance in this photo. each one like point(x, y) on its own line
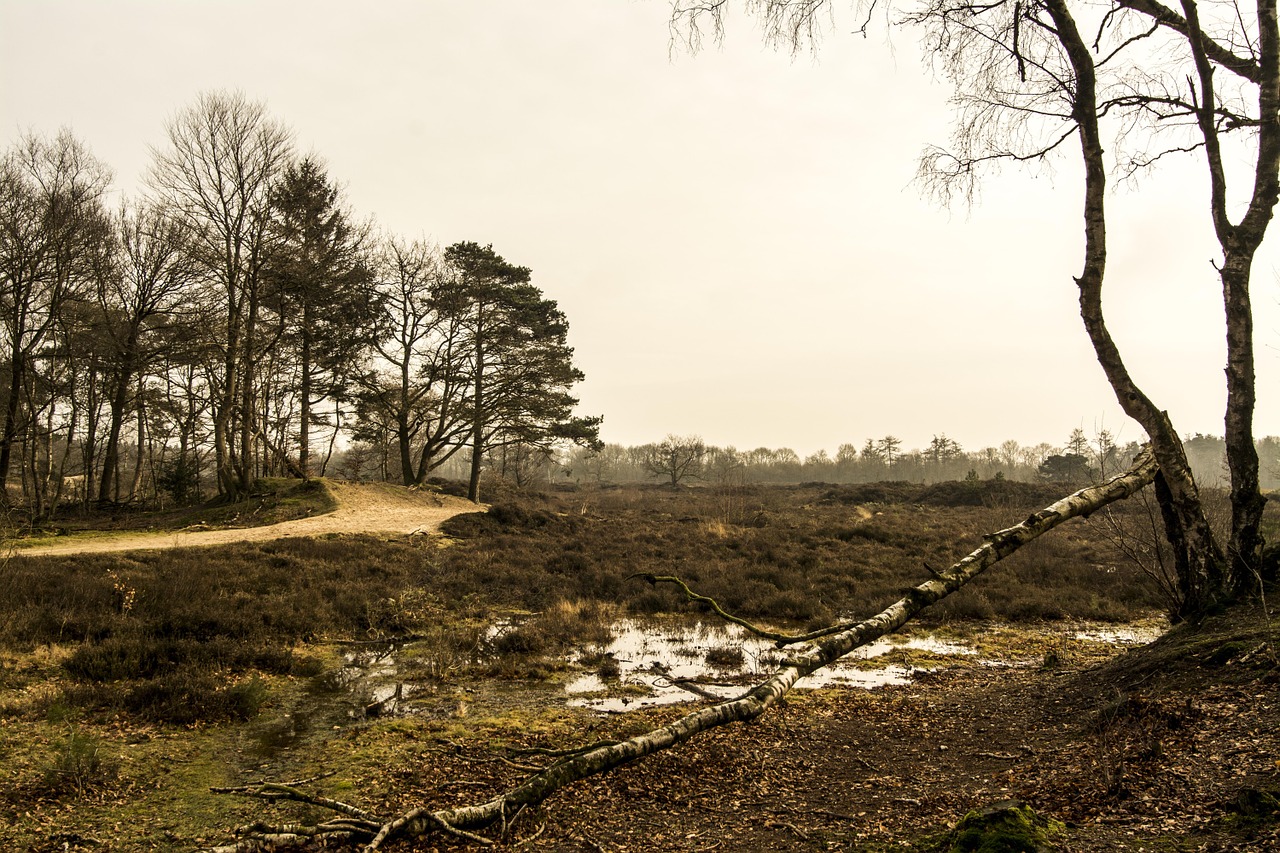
point(130, 684)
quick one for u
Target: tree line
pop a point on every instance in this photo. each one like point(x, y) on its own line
point(690, 461)
point(237, 318)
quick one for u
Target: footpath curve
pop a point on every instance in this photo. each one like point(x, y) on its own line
point(373, 508)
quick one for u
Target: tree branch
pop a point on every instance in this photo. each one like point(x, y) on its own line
point(750, 705)
point(1243, 66)
point(712, 605)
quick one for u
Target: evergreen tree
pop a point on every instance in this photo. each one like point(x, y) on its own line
point(317, 281)
point(521, 366)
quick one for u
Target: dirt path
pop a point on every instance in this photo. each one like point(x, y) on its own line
point(373, 508)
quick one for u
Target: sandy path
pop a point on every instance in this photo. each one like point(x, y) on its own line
point(373, 508)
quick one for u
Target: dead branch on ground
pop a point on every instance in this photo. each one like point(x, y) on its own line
point(354, 827)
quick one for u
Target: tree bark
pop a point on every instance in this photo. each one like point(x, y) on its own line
point(477, 415)
point(1240, 242)
point(140, 447)
point(10, 432)
point(304, 426)
point(119, 400)
point(1199, 559)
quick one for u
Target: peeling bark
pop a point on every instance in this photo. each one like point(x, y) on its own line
point(354, 826)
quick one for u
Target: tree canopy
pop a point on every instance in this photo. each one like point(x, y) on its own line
point(239, 319)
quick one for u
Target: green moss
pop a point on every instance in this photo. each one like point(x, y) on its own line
point(1005, 827)
point(1225, 652)
point(1254, 808)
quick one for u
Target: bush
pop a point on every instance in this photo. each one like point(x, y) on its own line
point(454, 488)
point(181, 479)
point(886, 492)
point(527, 639)
point(78, 765)
point(184, 699)
point(121, 658)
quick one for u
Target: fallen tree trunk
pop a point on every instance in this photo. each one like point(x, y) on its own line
point(358, 827)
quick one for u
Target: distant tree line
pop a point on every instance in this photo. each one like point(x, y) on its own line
point(237, 320)
point(1081, 459)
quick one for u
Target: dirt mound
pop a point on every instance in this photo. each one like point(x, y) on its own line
point(362, 508)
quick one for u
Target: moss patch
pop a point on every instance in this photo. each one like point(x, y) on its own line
point(1008, 826)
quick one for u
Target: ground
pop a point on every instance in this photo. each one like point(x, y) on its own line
point(368, 508)
point(1168, 747)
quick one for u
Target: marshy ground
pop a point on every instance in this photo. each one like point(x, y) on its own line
point(132, 682)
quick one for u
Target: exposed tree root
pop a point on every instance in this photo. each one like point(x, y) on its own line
point(358, 827)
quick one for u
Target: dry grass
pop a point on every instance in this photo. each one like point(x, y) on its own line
point(799, 554)
point(184, 636)
point(184, 647)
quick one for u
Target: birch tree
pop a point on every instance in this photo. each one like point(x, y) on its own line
point(1036, 78)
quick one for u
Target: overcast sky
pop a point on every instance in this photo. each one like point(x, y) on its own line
point(735, 236)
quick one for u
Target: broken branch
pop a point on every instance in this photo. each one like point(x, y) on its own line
point(748, 706)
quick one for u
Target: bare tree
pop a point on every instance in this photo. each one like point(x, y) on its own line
point(224, 155)
point(420, 385)
point(146, 288)
point(676, 458)
point(1028, 83)
point(52, 225)
point(1010, 454)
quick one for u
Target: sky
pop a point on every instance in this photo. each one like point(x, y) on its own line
point(735, 236)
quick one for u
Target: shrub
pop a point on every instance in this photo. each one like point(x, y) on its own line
point(576, 622)
point(967, 604)
point(869, 532)
point(886, 492)
point(527, 639)
point(120, 658)
point(455, 488)
point(797, 607)
point(184, 699)
point(78, 765)
point(181, 479)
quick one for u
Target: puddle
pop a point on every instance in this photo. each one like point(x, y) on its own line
point(658, 663)
point(664, 661)
point(388, 699)
point(1123, 635)
point(275, 736)
point(371, 676)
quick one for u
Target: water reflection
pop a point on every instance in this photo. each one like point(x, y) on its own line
point(1123, 635)
point(373, 674)
point(655, 661)
point(659, 663)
